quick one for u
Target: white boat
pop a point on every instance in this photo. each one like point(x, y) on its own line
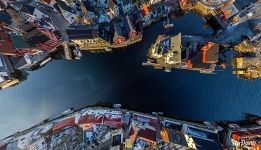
point(68, 111)
point(167, 24)
point(117, 106)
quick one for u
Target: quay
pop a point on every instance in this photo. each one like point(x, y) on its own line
point(104, 127)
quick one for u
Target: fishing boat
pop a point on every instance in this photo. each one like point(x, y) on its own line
point(167, 24)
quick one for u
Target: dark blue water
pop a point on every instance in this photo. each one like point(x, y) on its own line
point(119, 77)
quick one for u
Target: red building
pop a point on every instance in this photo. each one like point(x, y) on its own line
point(67, 122)
point(43, 39)
point(8, 47)
point(111, 120)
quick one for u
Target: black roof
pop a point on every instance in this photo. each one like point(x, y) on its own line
point(33, 35)
point(128, 23)
point(56, 6)
point(6, 65)
point(212, 53)
point(27, 27)
point(82, 32)
point(64, 6)
point(28, 9)
point(88, 6)
point(5, 18)
point(118, 29)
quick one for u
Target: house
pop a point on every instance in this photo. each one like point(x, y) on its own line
point(27, 12)
point(228, 11)
point(7, 46)
point(41, 38)
point(90, 9)
point(68, 13)
point(8, 74)
point(88, 12)
point(34, 15)
point(166, 50)
point(119, 36)
point(21, 45)
point(205, 59)
point(67, 122)
point(87, 37)
point(113, 7)
point(130, 27)
point(245, 135)
point(210, 52)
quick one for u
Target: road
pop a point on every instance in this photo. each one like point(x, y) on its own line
point(58, 21)
point(255, 9)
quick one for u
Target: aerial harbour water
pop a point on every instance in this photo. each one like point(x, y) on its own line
point(119, 77)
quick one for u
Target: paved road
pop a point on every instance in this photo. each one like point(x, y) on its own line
point(58, 21)
point(255, 9)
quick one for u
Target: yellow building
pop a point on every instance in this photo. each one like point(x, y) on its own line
point(165, 52)
point(247, 68)
point(87, 38)
point(245, 47)
point(128, 144)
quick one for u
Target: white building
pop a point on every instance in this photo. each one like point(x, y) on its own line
point(68, 13)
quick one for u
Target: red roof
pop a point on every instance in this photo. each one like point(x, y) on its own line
point(6, 45)
point(147, 134)
point(47, 1)
point(91, 119)
point(113, 121)
point(68, 122)
point(49, 45)
point(245, 134)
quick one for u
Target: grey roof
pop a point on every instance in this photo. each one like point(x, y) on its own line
point(128, 23)
point(118, 29)
point(88, 6)
point(82, 32)
point(212, 53)
point(6, 66)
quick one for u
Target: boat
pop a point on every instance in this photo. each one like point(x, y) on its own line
point(68, 111)
point(167, 24)
point(117, 106)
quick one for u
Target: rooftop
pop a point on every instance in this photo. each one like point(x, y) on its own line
point(5, 18)
point(6, 45)
point(82, 32)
